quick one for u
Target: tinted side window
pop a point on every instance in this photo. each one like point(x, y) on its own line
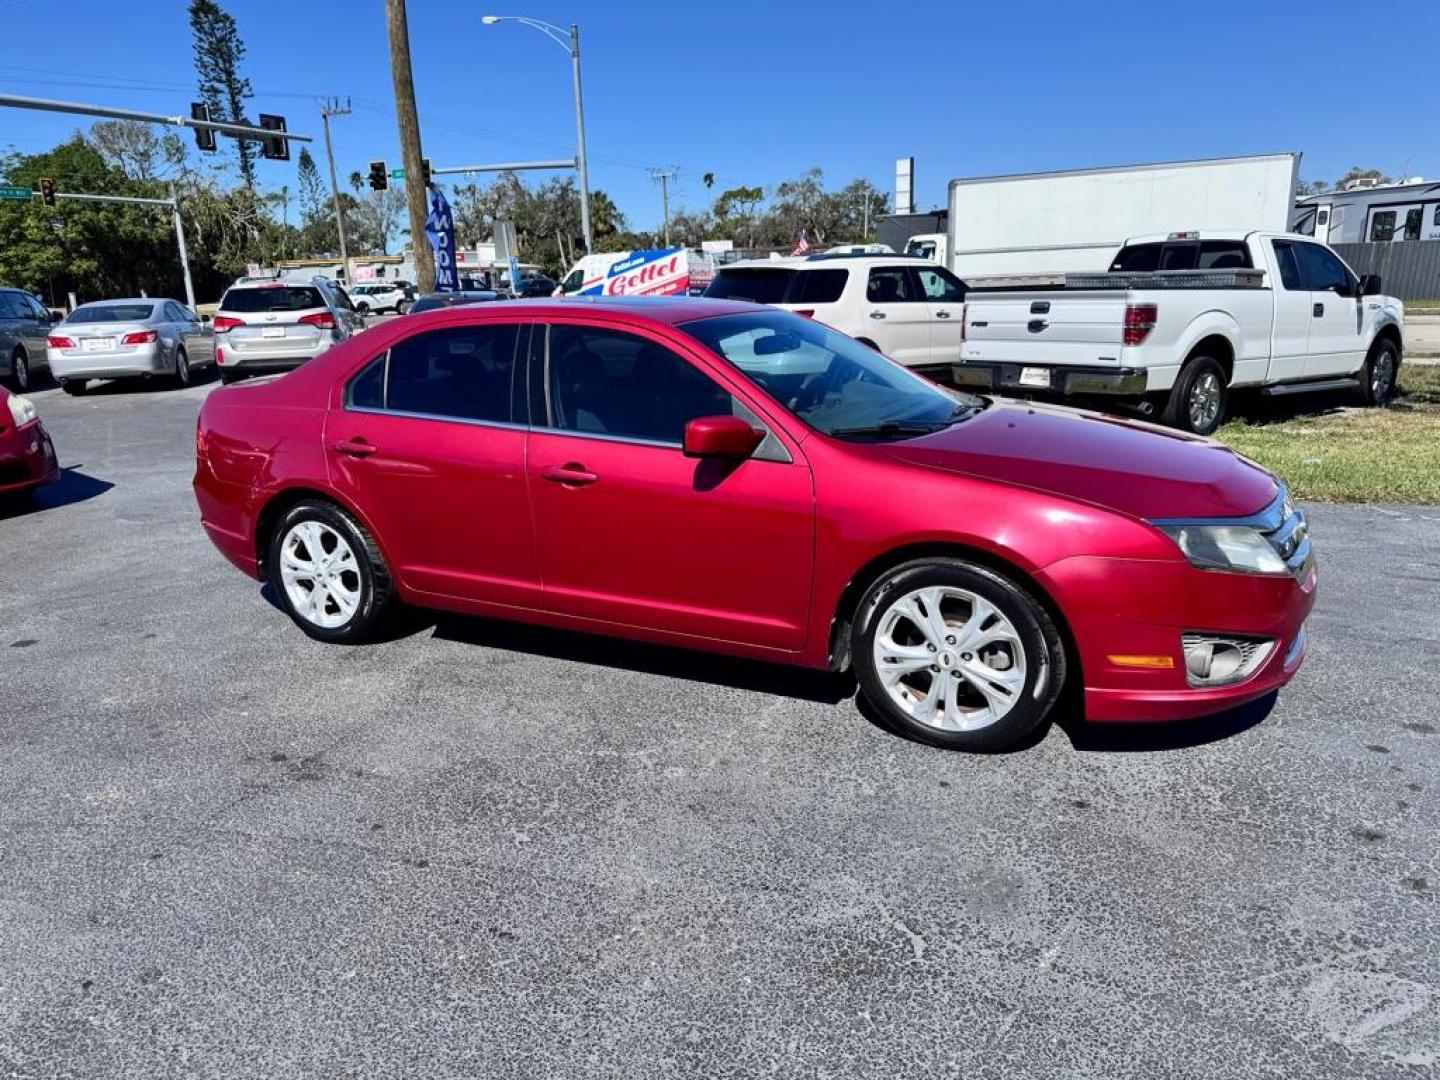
point(367, 390)
point(464, 372)
point(605, 382)
point(1321, 270)
point(890, 285)
point(1137, 259)
point(760, 284)
point(1224, 255)
point(11, 307)
point(940, 286)
point(1289, 265)
point(817, 286)
point(1382, 227)
point(1412, 223)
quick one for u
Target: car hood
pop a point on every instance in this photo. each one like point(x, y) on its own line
point(1124, 465)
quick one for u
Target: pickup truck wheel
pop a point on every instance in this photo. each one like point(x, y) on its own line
point(957, 656)
point(1197, 400)
point(328, 573)
point(1382, 368)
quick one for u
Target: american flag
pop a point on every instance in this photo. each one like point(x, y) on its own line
point(802, 245)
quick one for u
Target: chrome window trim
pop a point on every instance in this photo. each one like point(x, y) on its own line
point(504, 425)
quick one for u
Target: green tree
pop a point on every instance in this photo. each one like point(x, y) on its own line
point(1357, 173)
point(218, 52)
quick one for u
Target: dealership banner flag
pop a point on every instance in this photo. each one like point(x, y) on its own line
point(440, 228)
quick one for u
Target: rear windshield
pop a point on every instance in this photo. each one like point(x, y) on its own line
point(272, 298)
point(1183, 255)
point(762, 284)
point(111, 313)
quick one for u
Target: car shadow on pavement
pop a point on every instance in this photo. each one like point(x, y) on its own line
point(72, 487)
point(802, 683)
point(1122, 738)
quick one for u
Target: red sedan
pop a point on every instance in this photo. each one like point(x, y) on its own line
point(27, 456)
point(738, 479)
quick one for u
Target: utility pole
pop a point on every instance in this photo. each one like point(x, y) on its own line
point(331, 107)
point(580, 161)
point(664, 176)
point(408, 120)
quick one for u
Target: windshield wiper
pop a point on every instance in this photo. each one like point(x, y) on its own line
point(888, 427)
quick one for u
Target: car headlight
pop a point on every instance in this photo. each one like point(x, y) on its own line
point(22, 410)
point(1227, 547)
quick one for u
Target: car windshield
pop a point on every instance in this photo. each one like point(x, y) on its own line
point(272, 298)
point(828, 380)
point(93, 313)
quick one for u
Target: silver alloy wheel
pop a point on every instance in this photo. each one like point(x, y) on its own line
point(20, 371)
point(1382, 372)
point(949, 659)
point(1204, 401)
point(320, 573)
point(182, 368)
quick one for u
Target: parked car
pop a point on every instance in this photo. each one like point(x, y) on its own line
point(27, 456)
point(911, 310)
point(278, 325)
point(109, 339)
point(431, 301)
point(534, 285)
point(1182, 319)
point(380, 297)
point(24, 325)
point(742, 480)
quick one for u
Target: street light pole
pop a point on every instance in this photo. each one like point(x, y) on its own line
point(570, 44)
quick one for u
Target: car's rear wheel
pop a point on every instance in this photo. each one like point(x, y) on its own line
point(19, 371)
point(75, 387)
point(228, 377)
point(956, 655)
point(1381, 373)
point(1197, 400)
point(329, 573)
point(182, 369)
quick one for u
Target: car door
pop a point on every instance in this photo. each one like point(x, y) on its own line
point(631, 531)
point(425, 442)
point(945, 298)
point(37, 328)
point(1336, 345)
point(896, 315)
point(187, 329)
point(202, 333)
point(1290, 336)
point(12, 334)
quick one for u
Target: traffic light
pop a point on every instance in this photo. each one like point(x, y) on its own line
point(272, 148)
point(204, 137)
point(379, 177)
point(425, 171)
point(47, 191)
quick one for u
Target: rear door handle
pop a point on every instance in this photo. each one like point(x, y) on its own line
point(877, 314)
point(1319, 309)
point(356, 447)
point(942, 314)
point(571, 475)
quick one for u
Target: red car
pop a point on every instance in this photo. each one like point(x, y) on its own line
point(738, 479)
point(27, 456)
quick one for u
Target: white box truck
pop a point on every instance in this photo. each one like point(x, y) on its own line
point(1055, 222)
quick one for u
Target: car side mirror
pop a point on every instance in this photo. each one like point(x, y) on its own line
point(721, 437)
point(1369, 284)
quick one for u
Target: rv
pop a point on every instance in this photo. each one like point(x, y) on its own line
point(1364, 213)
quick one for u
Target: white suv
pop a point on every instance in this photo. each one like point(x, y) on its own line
point(912, 310)
point(380, 296)
point(277, 325)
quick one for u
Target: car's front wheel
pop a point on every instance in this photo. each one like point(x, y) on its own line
point(329, 573)
point(956, 655)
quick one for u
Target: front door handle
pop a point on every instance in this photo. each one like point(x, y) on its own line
point(356, 447)
point(572, 474)
point(1318, 309)
point(942, 314)
point(877, 314)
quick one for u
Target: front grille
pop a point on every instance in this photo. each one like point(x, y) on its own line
point(1289, 534)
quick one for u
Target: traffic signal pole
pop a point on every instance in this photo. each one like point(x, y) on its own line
point(244, 131)
point(173, 205)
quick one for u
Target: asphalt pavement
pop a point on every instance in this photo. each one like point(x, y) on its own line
point(484, 851)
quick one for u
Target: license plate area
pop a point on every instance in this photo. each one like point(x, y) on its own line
point(1038, 377)
point(97, 344)
point(272, 331)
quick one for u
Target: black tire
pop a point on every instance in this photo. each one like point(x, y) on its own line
point(363, 308)
point(402, 308)
point(228, 377)
point(1381, 373)
point(1198, 399)
point(377, 592)
point(182, 369)
point(75, 387)
point(19, 371)
point(1044, 653)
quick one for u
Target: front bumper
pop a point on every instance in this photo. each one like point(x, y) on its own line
point(1123, 608)
point(27, 458)
point(1063, 381)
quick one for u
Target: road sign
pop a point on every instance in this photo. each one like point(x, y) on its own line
point(16, 193)
point(397, 174)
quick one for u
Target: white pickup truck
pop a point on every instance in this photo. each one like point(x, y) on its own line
point(1182, 319)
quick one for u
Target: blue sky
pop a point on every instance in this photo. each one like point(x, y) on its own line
point(755, 92)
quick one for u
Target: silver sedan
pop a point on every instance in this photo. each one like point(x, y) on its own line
point(110, 339)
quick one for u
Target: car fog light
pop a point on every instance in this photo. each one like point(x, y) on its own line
point(1211, 660)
